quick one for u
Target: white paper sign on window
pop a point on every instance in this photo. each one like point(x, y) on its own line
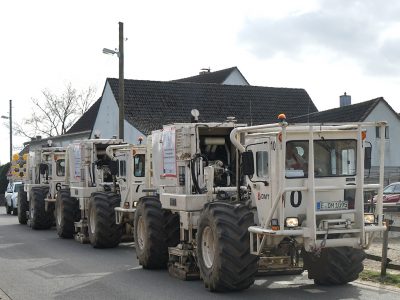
point(169, 152)
point(77, 156)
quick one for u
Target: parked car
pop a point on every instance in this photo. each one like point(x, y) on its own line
point(391, 195)
point(11, 196)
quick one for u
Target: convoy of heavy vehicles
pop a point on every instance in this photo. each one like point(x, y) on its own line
point(219, 201)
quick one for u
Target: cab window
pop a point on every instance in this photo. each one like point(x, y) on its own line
point(296, 159)
point(50, 169)
point(60, 167)
point(262, 164)
point(139, 165)
point(122, 168)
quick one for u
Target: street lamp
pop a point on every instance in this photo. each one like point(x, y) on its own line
point(121, 93)
point(9, 118)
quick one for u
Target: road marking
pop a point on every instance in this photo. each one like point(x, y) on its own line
point(136, 268)
point(3, 296)
point(260, 282)
point(287, 282)
point(314, 291)
point(4, 246)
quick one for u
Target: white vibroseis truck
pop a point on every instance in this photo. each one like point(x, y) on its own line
point(292, 200)
point(89, 207)
point(131, 181)
point(45, 174)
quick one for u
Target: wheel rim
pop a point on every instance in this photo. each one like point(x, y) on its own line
point(92, 220)
point(141, 233)
point(58, 212)
point(31, 209)
point(208, 247)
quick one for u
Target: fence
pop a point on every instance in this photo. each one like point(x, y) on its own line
point(385, 261)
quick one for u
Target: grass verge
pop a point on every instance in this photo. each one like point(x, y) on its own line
point(389, 279)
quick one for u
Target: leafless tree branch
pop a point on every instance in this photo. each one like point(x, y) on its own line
point(54, 114)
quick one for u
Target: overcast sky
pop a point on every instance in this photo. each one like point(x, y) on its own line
point(326, 47)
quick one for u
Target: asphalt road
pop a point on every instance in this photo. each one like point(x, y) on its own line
point(39, 265)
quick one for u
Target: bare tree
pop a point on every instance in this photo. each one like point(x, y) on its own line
point(54, 114)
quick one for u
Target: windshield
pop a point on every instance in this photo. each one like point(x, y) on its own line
point(18, 188)
point(331, 158)
point(60, 167)
point(335, 158)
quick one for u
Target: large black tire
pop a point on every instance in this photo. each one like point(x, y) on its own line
point(150, 234)
point(334, 266)
point(66, 213)
point(23, 207)
point(223, 247)
point(103, 231)
point(172, 228)
point(15, 210)
point(39, 218)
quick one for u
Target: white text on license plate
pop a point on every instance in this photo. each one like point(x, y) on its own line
point(332, 205)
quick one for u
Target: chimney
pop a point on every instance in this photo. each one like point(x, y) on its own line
point(345, 100)
point(204, 71)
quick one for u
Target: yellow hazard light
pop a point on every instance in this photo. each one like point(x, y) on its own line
point(25, 156)
point(282, 117)
point(15, 157)
point(363, 134)
point(275, 224)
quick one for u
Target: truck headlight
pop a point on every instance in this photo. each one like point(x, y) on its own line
point(292, 222)
point(369, 218)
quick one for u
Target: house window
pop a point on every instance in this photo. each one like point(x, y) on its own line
point(378, 135)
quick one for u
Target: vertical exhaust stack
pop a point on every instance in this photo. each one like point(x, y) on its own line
point(345, 100)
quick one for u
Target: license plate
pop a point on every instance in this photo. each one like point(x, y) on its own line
point(332, 205)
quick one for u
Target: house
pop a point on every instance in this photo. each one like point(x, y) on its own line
point(231, 76)
point(150, 104)
point(369, 111)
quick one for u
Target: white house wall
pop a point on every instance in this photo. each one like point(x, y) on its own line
point(392, 145)
point(235, 78)
point(106, 123)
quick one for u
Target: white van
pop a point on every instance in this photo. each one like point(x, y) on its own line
point(11, 196)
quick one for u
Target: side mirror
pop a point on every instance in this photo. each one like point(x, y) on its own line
point(367, 158)
point(248, 163)
point(113, 166)
point(43, 168)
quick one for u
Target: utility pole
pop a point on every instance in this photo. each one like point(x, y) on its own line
point(121, 81)
point(10, 117)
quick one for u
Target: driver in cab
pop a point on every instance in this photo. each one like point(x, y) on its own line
point(294, 161)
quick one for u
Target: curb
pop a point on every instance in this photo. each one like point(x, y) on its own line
point(378, 286)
